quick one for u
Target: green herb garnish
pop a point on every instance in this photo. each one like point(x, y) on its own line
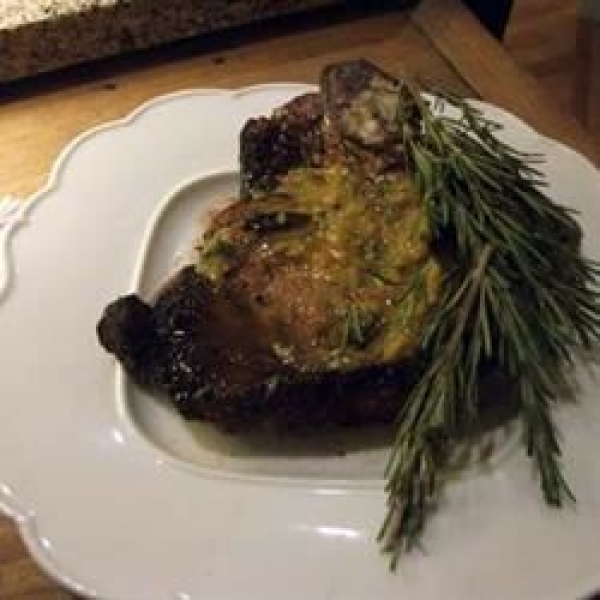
point(518, 299)
point(359, 326)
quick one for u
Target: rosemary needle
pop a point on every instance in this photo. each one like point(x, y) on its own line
point(518, 299)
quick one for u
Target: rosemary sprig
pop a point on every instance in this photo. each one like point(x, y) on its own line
point(518, 299)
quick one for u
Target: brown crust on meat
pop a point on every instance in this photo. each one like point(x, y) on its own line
point(271, 146)
point(198, 349)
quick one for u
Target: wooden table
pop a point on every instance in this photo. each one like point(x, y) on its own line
point(438, 42)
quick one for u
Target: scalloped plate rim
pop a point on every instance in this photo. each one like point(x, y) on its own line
point(26, 521)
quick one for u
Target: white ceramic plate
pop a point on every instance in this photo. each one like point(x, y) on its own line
point(117, 498)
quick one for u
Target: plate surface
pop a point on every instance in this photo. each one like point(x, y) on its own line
point(117, 499)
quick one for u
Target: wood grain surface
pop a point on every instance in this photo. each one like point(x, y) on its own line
point(560, 45)
point(438, 43)
point(541, 36)
point(493, 74)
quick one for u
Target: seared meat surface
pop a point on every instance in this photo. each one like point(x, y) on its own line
point(308, 297)
point(214, 363)
point(271, 146)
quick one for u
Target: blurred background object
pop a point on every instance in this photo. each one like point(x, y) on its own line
point(587, 97)
point(494, 14)
point(42, 35)
point(555, 40)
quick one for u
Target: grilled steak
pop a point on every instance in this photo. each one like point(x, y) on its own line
point(308, 297)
